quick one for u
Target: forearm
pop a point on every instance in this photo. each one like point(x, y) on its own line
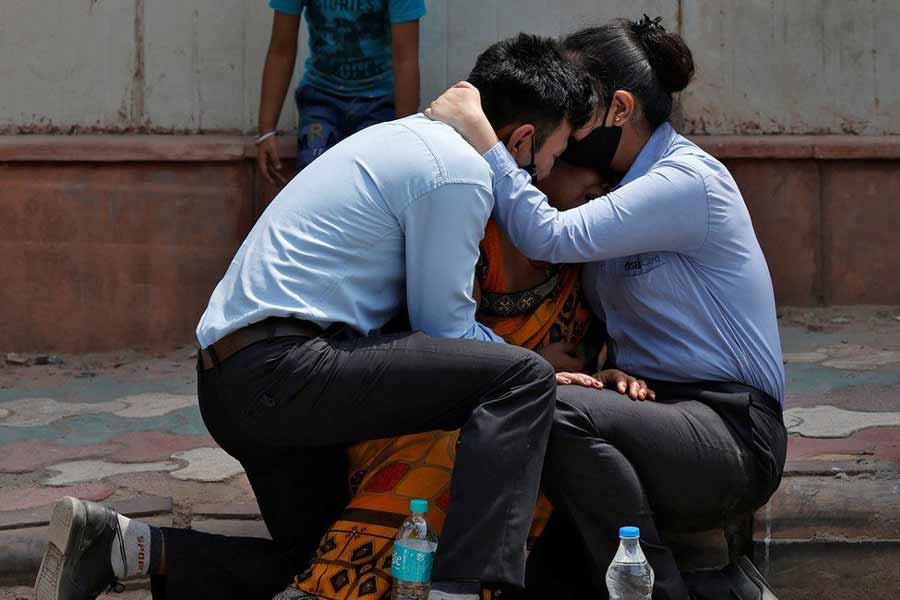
point(443, 231)
point(665, 209)
point(276, 80)
point(406, 87)
point(480, 134)
point(538, 230)
point(405, 61)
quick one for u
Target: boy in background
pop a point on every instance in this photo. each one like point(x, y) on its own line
point(363, 68)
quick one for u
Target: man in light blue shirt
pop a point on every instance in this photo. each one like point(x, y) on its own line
point(295, 367)
point(392, 216)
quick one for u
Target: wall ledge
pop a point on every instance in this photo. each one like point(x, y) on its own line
point(122, 148)
point(226, 148)
point(821, 147)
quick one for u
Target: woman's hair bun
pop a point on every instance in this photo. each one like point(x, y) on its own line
point(671, 59)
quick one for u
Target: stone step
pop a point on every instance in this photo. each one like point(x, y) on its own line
point(825, 569)
point(831, 531)
point(832, 536)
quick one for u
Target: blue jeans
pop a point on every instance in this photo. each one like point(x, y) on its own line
point(326, 119)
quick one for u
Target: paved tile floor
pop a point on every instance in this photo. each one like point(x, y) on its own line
point(123, 425)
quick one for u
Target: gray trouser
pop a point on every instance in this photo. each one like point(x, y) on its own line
point(699, 454)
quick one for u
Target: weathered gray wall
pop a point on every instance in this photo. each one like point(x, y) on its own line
point(764, 66)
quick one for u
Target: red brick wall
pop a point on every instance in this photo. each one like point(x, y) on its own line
point(783, 199)
point(861, 232)
point(101, 256)
point(114, 242)
point(830, 229)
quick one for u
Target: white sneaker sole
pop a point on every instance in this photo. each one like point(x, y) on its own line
point(59, 545)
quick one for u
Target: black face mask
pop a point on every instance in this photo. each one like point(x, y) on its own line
point(597, 149)
point(531, 168)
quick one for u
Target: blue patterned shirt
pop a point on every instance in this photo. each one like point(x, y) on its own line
point(350, 42)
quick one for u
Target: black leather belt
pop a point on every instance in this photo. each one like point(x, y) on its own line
point(666, 389)
point(269, 328)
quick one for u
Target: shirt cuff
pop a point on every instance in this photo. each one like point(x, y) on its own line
point(500, 160)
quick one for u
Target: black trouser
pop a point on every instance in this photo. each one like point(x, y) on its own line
point(287, 408)
point(699, 454)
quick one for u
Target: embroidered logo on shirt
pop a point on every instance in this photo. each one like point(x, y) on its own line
point(640, 264)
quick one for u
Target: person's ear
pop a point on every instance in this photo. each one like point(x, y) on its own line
point(623, 110)
point(519, 143)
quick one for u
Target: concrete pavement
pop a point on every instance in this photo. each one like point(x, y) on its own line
point(124, 428)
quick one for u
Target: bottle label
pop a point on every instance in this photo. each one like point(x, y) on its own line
point(411, 565)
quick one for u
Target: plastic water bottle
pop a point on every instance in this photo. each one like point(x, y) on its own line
point(630, 576)
point(414, 549)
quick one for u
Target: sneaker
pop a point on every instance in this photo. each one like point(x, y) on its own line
point(292, 593)
point(76, 564)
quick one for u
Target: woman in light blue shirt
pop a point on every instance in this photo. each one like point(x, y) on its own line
point(675, 270)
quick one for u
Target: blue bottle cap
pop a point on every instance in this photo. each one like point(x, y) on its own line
point(418, 506)
point(629, 532)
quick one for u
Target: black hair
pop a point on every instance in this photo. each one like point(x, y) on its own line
point(528, 79)
point(640, 57)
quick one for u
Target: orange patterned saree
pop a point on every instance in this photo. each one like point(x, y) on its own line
point(354, 557)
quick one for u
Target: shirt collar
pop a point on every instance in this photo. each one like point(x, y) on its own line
point(656, 147)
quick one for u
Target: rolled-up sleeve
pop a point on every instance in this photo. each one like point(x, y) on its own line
point(443, 230)
point(291, 7)
point(403, 11)
point(665, 209)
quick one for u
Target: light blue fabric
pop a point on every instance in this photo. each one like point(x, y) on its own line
point(391, 216)
point(676, 269)
point(350, 42)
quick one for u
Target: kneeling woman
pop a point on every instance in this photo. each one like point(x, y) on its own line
point(676, 272)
